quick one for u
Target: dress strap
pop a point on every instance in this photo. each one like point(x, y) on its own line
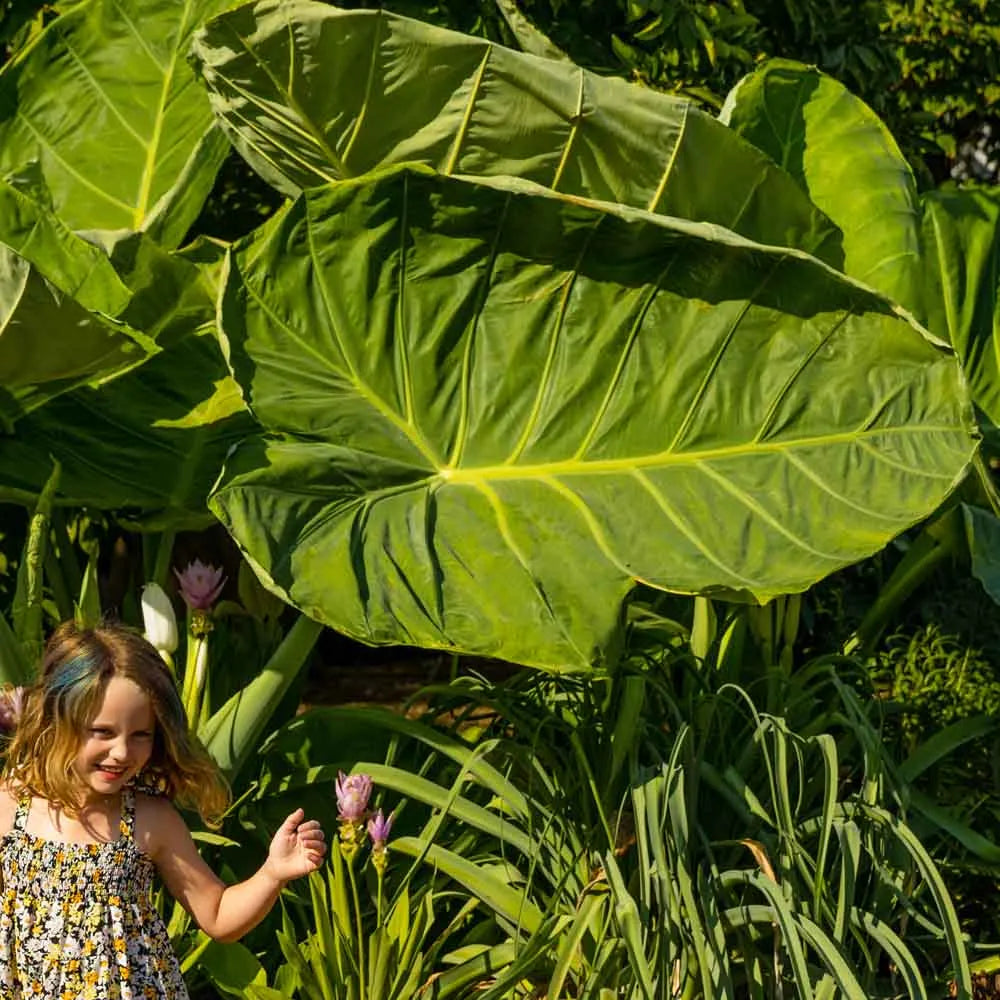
point(21, 816)
point(127, 824)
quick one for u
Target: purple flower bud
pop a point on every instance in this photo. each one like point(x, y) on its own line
point(353, 792)
point(11, 705)
point(379, 827)
point(200, 585)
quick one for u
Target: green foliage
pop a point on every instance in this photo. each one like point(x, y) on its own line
point(150, 130)
point(929, 69)
point(936, 677)
point(480, 113)
point(949, 64)
point(576, 433)
point(605, 832)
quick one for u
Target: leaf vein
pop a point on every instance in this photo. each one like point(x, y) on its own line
point(543, 382)
point(462, 429)
point(765, 515)
point(668, 169)
point(692, 536)
point(72, 171)
point(467, 115)
point(307, 129)
point(717, 360)
point(803, 363)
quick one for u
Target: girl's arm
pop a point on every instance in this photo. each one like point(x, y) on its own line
point(224, 912)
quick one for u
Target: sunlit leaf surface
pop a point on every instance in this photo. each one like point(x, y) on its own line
point(59, 299)
point(149, 444)
point(105, 101)
point(962, 280)
point(311, 94)
point(493, 410)
point(847, 160)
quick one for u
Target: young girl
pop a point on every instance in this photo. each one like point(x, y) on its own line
point(80, 841)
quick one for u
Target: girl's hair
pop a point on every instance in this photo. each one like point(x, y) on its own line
point(58, 707)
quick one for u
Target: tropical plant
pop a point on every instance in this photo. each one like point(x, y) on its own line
point(934, 254)
point(654, 830)
point(577, 424)
point(571, 432)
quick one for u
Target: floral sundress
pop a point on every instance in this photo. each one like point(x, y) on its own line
point(77, 921)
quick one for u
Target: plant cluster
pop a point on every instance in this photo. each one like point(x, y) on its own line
point(521, 344)
point(647, 831)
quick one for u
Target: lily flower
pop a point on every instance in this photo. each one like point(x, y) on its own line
point(159, 619)
point(200, 585)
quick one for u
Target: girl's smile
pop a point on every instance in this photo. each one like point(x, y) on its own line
point(118, 740)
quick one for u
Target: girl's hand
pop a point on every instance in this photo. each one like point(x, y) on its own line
point(297, 848)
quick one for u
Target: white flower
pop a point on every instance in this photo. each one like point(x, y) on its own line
point(158, 618)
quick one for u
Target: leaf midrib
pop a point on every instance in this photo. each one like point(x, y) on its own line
point(149, 168)
point(667, 459)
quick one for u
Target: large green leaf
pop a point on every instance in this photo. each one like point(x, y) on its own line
point(105, 101)
point(136, 419)
point(847, 160)
point(496, 409)
point(59, 297)
point(153, 439)
point(310, 94)
point(962, 275)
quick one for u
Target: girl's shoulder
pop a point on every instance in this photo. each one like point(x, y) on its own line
point(157, 823)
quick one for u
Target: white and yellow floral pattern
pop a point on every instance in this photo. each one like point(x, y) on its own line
point(77, 921)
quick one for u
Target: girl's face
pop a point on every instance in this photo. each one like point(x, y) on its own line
point(117, 741)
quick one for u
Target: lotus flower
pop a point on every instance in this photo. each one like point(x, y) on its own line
point(353, 792)
point(11, 704)
point(378, 828)
point(200, 585)
point(159, 619)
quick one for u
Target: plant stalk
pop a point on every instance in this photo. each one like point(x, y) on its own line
point(355, 899)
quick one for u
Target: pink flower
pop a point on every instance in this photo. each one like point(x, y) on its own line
point(353, 792)
point(379, 827)
point(11, 705)
point(200, 585)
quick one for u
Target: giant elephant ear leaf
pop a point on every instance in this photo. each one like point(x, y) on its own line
point(962, 272)
point(847, 161)
point(59, 299)
point(494, 410)
point(105, 101)
point(310, 94)
point(148, 444)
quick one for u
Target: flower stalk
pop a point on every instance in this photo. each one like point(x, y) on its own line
point(200, 585)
